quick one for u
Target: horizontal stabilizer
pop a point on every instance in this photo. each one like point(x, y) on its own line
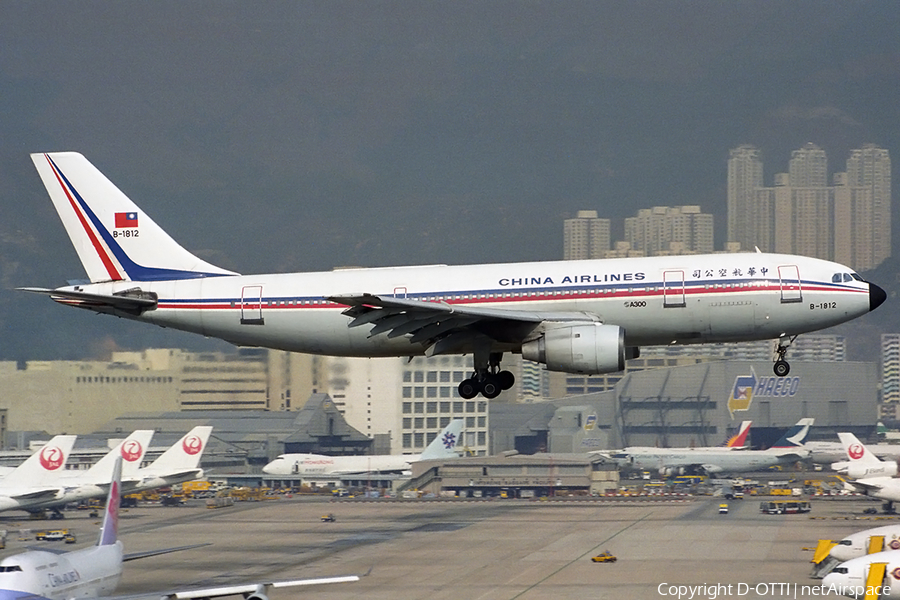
point(135, 302)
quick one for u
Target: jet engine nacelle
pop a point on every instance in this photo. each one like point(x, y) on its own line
point(671, 471)
point(259, 593)
point(586, 348)
point(886, 468)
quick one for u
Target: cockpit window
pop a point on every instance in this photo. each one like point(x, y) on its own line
point(858, 278)
point(10, 568)
point(845, 543)
point(844, 277)
point(839, 570)
point(836, 278)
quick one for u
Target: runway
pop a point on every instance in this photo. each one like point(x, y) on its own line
point(500, 549)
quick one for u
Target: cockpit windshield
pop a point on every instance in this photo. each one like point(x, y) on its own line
point(9, 568)
point(844, 277)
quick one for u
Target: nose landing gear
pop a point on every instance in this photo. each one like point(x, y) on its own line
point(781, 366)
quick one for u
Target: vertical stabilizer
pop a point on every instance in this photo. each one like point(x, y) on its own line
point(796, 435)
point(44, 466)
point(109, 531)
point(444, 445)
point(739, 440)
point(184, 455)
point(132, 450)
point(115, 240)
point(856, 450)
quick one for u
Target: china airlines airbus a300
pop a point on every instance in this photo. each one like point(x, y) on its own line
point(585, 316)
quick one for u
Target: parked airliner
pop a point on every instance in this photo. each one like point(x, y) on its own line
point(318, 465)
point(37, 479)
point(714, 461)
point(585, 316)
point(95, 572)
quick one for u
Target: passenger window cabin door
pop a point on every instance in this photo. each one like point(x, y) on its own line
point(673, 289)
point(789, 281)
point(251, 305)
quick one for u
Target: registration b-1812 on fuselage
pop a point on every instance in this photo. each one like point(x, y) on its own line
point(586, 316)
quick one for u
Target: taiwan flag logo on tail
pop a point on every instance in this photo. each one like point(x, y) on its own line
point(126, 219)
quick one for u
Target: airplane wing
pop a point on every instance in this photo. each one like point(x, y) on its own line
point(257, 589)
point(132, 301)
point(443, 327)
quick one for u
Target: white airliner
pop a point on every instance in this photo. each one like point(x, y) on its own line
point(76, 486)
point(669, 461)
point(861, 463)
point(585, 316)
point(319, 465)
point(37, 479)
point(879, 483)
point(95, 572)
point(871, 576)
point(178, 464)
point(865, 542)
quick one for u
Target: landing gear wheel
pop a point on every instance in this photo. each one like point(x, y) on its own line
point(467, 389)
point(490, 387)
point(781, 368)
point(505, 379)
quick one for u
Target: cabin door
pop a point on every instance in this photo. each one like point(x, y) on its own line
point(789, 280)
point(251, 305)
point(673, 289)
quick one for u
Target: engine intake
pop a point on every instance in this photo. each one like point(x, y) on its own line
point(586, 348)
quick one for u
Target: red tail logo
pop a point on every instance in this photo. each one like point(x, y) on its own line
point(855, 451)
point(52, 458)
point(132, 450)
point(192, 445)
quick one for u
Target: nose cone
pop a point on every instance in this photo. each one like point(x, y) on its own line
point(877, 296)
point(270, 468)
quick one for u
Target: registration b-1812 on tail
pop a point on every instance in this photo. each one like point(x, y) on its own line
point(585, 316)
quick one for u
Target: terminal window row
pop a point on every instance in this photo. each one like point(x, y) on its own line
point(441, 422)
point(433, 376)
point(458, 406)
point(105, 379)
point(419, 440)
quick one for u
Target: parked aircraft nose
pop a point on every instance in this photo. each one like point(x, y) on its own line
point(877, 296)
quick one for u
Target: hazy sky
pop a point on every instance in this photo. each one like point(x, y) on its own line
point(277, 136)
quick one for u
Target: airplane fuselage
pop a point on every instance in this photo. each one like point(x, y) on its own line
point(714, 461)
point(317, 465)
point(656, 300)
point(88, 573)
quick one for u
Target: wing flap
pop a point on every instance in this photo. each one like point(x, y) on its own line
point(429, 323)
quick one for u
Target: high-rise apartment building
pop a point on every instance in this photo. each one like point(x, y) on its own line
point(586, 236)
point(890, 375)
point(745, 176)
point(803, 215)
point(665, 230)
point(869, 168)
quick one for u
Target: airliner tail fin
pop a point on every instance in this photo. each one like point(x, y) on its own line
point(114, 239)
point(444, 445)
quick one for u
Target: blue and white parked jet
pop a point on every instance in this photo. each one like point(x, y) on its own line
point(313, 466)
point(585, 316)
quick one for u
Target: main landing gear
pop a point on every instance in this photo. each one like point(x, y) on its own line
point(781, 366)
point(487, 380)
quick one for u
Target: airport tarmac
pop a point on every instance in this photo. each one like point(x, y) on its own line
point(498, 550)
